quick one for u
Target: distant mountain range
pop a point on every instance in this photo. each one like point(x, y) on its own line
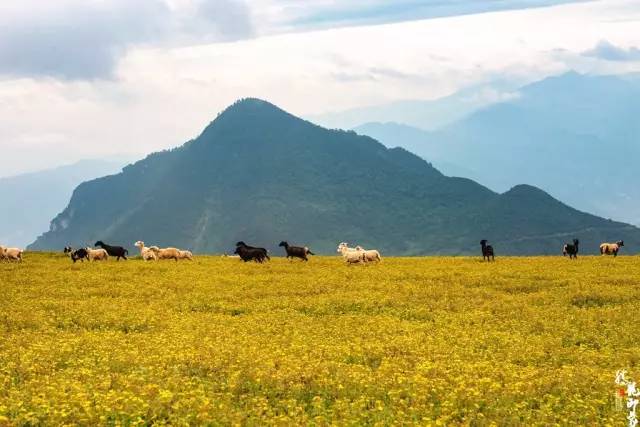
point(423, 114)
point(262, 175)
point(29, 201)
point(575, 136)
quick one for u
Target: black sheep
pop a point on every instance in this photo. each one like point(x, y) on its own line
point(79, 254)
point(250, 254)
point(296, 251)
point(571, 249)
point(242, 244)
point(487, 251)
point(116, 251)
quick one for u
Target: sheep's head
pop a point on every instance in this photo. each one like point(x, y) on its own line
point(241, 243)
point(283, 244)
point(483, 242)
point(359, 248)
point(139, 244)
point(99, 243)
point(621, 243)
point(341, 246)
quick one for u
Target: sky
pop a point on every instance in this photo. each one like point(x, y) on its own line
point(92, 78)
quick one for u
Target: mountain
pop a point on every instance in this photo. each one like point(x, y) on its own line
point(416, 140)
point(575, 136)
point(29, 201)
point(424, 114)
point(262, 175)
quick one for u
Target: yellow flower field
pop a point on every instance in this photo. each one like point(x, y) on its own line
point(442, 341)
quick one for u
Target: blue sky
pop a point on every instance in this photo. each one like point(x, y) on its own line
point(91, 78)
point(377, 11)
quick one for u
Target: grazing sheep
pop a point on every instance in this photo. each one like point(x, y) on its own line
point(370, 254)
point(78, 255)
point(244, 245)
point(166, 253)
point(611, 248)
point(487, 251)
point(146, 253)
point(350, 255)
point(186, 255)
point(250, 254)
point(116, 251)
point(97, 254)
point(296, 251)
point(11, 254)
point(571, 249)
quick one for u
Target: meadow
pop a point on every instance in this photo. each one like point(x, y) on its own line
point(441, 341)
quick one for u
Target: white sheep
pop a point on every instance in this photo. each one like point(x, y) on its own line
point(11, 254)
point(370, 254)
point(344, 246)
point(350, 255)
point(186, 255)
point(147, 253)
point(97, 254)
point(166, 253)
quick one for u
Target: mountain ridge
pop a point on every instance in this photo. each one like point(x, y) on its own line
point(260, 174)
point(579, 129)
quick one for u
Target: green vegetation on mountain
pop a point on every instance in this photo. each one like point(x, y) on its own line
point(261, 175)
point(575, 136)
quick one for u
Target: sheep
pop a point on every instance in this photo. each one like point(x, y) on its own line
point(244, 245)
point(370, 254)
point(611, 248)
point(344, 245)
point(116, 251)
point(97, 254)
point(79, 254)
point(571, 249)
point(166, 253)
point(352, 256)
point(250, 254)
point(186, 255)
point(11, 254)
point(487, 251)
point(296, 251)
point(146, 253)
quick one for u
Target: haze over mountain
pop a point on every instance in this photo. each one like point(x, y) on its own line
point(573, 135)
point(259, 174)
point(423, 114)
point(29, 201)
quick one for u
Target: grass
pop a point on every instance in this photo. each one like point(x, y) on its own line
point(445, 341)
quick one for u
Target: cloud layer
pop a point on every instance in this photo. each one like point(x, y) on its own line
point(609, 52)
point(165, 68)
point(85, 39)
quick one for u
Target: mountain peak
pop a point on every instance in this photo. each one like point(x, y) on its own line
point(251, 106)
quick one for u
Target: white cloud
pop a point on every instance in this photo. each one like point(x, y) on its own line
point(160, 96)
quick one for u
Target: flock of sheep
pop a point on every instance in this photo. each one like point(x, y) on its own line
point(355, 255)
